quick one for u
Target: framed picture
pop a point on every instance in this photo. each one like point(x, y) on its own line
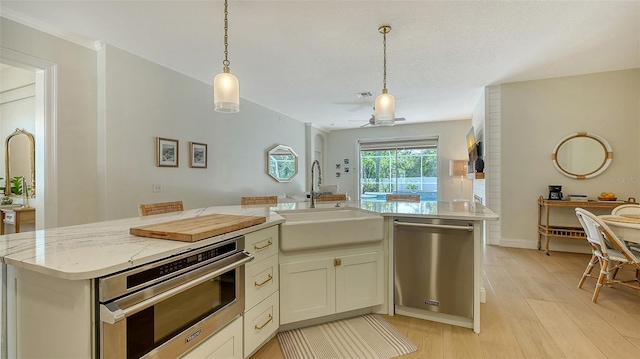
point(167, 154)
point(197, 155)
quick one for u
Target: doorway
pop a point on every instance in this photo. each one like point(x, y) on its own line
point(44, 124)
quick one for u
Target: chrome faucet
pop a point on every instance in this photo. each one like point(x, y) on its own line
point(313, 194)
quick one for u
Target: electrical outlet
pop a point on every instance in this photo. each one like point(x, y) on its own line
point(156, 188)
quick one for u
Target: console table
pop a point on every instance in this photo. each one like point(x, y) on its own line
point(548, 231)
point(17, 216)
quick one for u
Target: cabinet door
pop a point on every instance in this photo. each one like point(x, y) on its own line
point(227, 344)
point(359, 281)
point(307, 290)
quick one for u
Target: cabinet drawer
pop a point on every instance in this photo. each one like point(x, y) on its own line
point(227, 343)
point(261, 280)
point(262, 244)
point(261, 322)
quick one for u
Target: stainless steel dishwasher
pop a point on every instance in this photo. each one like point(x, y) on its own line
point(434, 265)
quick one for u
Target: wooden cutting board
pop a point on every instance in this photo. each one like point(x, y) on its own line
point(197, 228)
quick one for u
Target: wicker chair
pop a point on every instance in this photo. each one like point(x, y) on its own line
point(626, 209)
point(158, 208)
point(259, 200)
point(607, 249)
point(403, 197)
point(631, 211)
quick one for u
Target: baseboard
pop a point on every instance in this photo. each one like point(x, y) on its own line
point(556, 245)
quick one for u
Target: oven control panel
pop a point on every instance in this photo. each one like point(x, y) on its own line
point(134, 279)
point(178, 265)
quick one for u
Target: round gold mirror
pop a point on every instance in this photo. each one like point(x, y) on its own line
point(282, 163)
point(582, 155)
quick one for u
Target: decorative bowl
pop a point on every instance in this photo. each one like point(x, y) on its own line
point(607, 199)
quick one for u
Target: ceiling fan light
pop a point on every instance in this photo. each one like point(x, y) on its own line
point(226, 92)
point(385, 109)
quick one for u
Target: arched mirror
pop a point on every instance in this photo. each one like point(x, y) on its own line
point(582, 155)
point(282, 163)
point(19, 162)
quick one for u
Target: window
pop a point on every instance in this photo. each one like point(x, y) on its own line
point(401, 166)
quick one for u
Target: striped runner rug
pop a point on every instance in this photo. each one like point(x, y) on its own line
point(364, 337)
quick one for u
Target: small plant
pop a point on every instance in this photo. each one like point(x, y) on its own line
point(16, 185)
point(412, 186)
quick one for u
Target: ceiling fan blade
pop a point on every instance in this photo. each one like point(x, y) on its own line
point(399, 119)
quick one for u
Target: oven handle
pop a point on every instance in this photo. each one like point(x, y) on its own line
point(111, 313)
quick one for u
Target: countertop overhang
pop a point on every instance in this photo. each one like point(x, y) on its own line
point(97, 249)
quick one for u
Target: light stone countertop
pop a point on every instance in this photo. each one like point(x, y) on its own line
point(449, 210)
point(97, 249)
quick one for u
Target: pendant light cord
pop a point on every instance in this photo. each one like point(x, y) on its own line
point(384, 47)
point(226, 35)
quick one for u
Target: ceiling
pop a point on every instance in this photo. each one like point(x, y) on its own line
point(309, 59)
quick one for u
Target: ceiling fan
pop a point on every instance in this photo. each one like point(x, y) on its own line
point(372, 121)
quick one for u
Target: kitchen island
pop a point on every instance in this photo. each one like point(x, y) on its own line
point(69, 259)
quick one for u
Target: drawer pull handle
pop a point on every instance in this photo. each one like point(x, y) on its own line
point(263, 247)
point(263, 283)
point(265, 323)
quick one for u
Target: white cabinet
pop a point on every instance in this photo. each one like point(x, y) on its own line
point(359, 281)
point(225, 344)
point(315, 288)
point(262, 298)
point(308, 289)
point(47, 317)
point(261, 323)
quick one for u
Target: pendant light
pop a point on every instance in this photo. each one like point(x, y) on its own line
point(226, 89)
point(385, 105)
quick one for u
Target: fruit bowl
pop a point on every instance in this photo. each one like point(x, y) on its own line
point(607, 199)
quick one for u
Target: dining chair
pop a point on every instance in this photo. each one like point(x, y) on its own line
point(259, 200)
point(158, 208)
point(609, 251)
point(626, 209)
point(403, 197)
point(631, 211)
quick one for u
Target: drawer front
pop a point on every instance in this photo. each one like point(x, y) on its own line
point(261, 280)
point(260, 323)
point(262, 244)
point(10, 217)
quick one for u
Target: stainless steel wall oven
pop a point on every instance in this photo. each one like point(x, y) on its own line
point(165, 308)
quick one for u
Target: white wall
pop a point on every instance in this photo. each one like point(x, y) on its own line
point(537, 114)
point(144, 101)
point(107, 121)
point(75, 114)
point(343, 144)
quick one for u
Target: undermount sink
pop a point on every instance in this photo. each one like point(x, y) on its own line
point(324, 228)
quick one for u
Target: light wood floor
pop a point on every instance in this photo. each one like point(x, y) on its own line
point(534, 309)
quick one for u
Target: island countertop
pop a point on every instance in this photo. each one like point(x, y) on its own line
point(97, 249)
point(93, 250)
point(463, 210)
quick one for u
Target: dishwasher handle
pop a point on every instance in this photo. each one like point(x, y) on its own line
point(468, 227)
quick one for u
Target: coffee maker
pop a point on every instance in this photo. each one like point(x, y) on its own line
point(555, 192)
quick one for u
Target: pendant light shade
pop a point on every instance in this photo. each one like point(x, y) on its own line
point(226, 88)
point(226, 92)
point(385, 105)
point(385, 112)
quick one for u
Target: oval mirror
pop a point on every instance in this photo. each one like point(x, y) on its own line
point(282, 163)
point(582, 155)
